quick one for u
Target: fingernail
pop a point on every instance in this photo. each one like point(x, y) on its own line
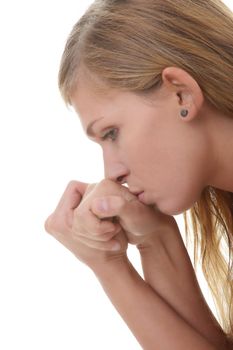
point(102, 205)
point(116, 247)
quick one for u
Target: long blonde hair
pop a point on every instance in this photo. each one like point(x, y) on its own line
point(126, 44)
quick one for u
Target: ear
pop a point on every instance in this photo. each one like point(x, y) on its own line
point(188, 92)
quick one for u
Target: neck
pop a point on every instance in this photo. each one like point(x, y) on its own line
point(220, 132)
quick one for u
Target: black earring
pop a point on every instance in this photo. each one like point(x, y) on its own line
point(184, 113)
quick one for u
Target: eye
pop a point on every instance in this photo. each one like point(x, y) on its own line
point(110, 135)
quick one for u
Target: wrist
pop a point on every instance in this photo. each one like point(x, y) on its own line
point(111, 267)
point(163, 235)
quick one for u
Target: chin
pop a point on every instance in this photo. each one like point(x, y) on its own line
point(171, 208)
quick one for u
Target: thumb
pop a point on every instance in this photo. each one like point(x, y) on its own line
point(108, 206)
point(134, 216)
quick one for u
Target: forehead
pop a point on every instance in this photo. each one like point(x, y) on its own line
point(90, 102)
point(89, 84)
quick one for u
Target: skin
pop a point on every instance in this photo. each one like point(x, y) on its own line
point(152, 148)
point(83, 223)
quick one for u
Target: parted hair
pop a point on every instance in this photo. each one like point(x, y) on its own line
point(125, 45)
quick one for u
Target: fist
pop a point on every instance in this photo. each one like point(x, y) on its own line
point(139, 222)
point(93, 240)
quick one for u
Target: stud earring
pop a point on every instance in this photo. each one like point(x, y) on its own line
point(184, 113)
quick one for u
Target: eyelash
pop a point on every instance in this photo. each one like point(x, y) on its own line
point(110, 135)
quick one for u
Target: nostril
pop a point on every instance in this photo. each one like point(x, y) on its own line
point(120, 179)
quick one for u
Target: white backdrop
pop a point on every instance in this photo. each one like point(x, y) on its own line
point(48, 299)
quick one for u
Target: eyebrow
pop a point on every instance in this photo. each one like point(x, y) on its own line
point(89, 130)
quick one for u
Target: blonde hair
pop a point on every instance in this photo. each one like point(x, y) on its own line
point(126, 44)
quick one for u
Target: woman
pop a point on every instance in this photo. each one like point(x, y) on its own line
point(151, 81)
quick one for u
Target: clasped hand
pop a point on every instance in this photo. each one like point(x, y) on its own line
point(96, 222)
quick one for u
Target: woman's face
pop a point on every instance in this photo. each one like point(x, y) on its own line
point(147, 145)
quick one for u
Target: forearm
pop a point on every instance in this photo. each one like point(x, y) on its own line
point(154, 323)
point(168, 270)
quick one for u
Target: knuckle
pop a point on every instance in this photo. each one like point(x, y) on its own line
point(122, 203)
point(98, 228)
point(72, 184)
point(103, 246)
point(76, 213)
point(106, 182)
point(79, 212)
point(48, 225)
point(90, 188)
point(107, 237)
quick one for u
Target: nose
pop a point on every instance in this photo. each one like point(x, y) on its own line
point(115, 170)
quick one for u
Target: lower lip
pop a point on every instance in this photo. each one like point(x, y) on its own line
point(141, 197)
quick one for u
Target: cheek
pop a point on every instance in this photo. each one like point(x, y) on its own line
point(170, 169)
point(178, 199)
point(175, 180)
point(179, 185)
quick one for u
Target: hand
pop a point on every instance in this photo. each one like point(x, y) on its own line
point(139, 222)
point(76, 221)
point(78, 229)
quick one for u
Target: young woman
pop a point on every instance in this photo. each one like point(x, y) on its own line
point(151, 81)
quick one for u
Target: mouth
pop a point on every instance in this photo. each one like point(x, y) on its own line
point(140, 196)
point(144, 200)
point(136, 193)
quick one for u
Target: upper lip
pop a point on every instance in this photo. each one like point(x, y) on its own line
point(136, 193)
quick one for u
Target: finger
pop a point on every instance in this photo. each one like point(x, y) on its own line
point(72, 195)
point(108, 206)
point(133, 215)
point(88, 190)
point(86, 221)
point(62, 217)
point(100, 238)
point(112, 245)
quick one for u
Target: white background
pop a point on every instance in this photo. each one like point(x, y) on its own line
point(48, 299)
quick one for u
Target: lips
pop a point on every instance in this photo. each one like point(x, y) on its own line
point(137, 194)
point(141, 196)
